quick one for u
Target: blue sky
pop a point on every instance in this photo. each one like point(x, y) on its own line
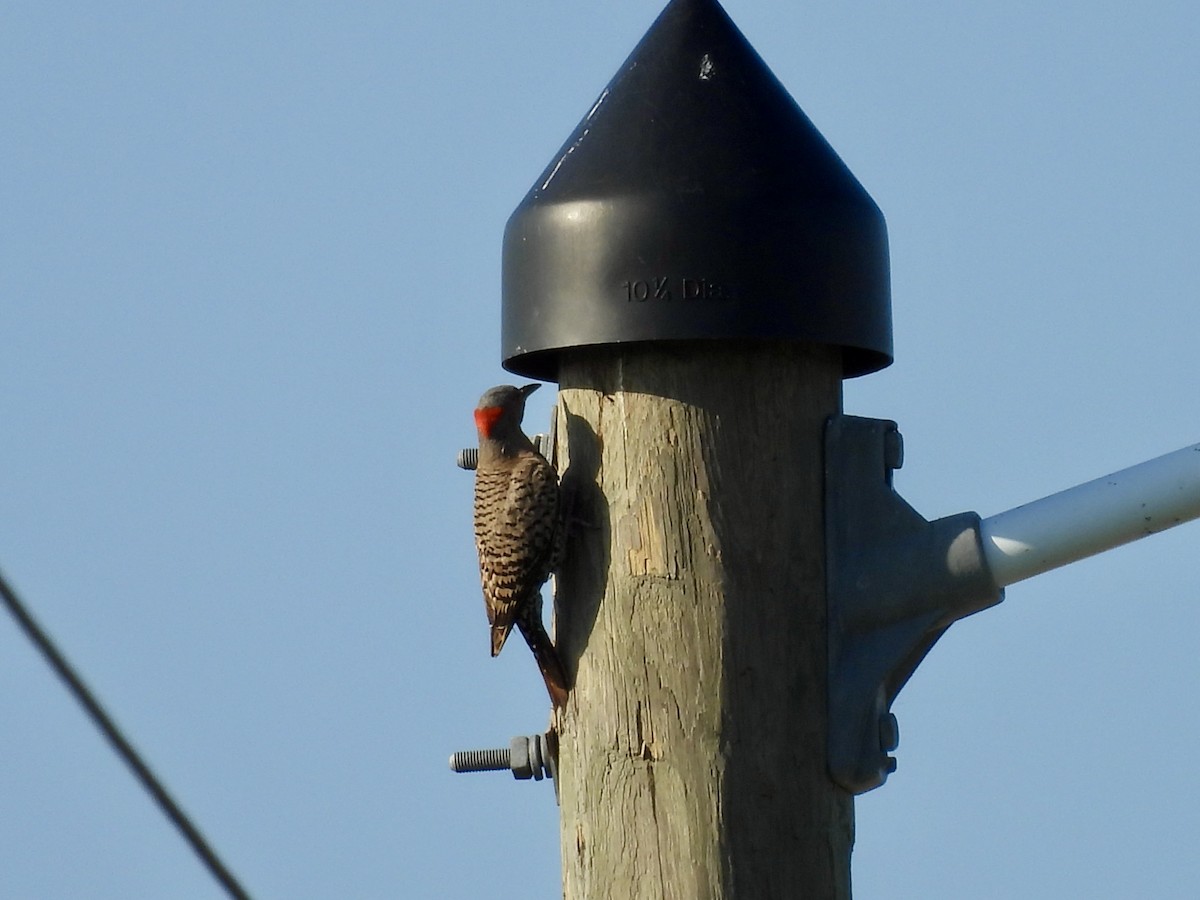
point(249, 293)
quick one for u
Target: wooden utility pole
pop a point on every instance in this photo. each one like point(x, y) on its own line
point(698, 271)
point(692, 613)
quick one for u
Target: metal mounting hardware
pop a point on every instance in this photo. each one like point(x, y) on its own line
point(527, 757)
point(535, 756)
point(468, 457)
point(896, 582)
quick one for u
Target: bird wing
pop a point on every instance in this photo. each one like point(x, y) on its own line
point(516, 519)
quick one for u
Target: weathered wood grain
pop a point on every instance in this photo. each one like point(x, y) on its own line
point(690, 613)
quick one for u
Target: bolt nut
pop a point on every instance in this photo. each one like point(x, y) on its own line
point(522, 767)
point(528, 757)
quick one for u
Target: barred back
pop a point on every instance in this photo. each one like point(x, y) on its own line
point(518, 534)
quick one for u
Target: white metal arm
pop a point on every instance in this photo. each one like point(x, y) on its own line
point(1092, 517)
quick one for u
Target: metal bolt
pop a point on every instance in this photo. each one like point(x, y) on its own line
point(527, 757)
point(468, 457)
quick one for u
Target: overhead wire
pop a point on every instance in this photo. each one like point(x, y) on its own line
point(104, 722)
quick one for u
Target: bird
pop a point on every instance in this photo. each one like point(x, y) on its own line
point(519, 528)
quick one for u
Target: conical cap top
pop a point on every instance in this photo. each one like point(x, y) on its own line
point(695, 201)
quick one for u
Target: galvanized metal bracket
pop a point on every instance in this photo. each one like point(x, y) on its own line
point(895, 583)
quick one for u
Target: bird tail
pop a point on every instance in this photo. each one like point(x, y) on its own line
point(548, 663)
point(499, 636)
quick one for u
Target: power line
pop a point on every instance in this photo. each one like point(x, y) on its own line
point(120, 744)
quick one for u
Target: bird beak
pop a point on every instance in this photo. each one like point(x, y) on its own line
point(530, 388)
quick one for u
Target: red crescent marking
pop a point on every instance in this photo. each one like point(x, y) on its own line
point(486, 419)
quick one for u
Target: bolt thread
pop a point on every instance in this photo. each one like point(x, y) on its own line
point(468, 458)
point(480, 760)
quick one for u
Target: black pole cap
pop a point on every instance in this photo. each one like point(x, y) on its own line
point(695, 201)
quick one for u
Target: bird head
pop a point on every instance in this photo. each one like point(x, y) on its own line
point(500, 411)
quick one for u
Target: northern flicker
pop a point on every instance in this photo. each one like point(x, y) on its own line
point(519, 528)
